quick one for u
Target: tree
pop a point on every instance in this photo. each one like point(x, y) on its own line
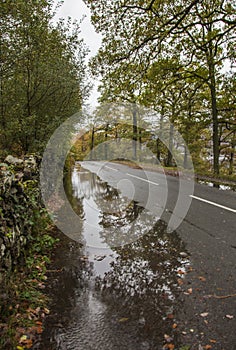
point(139, 31)
point(42, 74)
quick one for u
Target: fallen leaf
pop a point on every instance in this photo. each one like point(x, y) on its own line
point(170, 316)
point(201, 278)
point(168, 338)
point(207, 347)
point(204, 314)
point(169, 346)
point(46, 311)
point(174, 325)
point(190, 290)
point(29, 344)
point(229, 316)
point(23, 338)
point(183, 254)
point(39, 329)
point(123, 319)
point(213, 341)
point(180, 281)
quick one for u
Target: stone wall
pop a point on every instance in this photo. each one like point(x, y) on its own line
point(19, 210)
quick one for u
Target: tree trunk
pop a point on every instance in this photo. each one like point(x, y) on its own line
point(170, 149)
point(212, 85)
point(105, 144)
point(158, 143)
point(140, 144)
point(231, 160)
point(92, 144)
point(135, 130)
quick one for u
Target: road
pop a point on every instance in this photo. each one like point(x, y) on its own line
point(212, 211)
point(209, 233)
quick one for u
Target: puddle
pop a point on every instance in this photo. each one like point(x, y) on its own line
point(106, 296)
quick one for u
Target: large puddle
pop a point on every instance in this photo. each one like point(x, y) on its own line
point(106, 296)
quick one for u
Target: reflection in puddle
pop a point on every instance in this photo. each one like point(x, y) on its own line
point(109, 297)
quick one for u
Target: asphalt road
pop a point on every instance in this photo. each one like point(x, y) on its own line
point(209, 232)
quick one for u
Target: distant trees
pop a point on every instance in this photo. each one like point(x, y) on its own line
point(198, 35)
point(42, 75)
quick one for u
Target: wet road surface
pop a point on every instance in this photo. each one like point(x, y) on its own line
point(157, 291)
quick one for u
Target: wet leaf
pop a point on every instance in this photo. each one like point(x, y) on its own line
point(28, 344)
point(23, 338)
point(229, 316)
point(204, 314)
point(201, 278)
point(189, 291)
point(46, 311)
point(183, 254)
point(168, 338)
point(123, 319)
point(39, 329)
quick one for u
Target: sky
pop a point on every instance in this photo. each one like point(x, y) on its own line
point(76, 9)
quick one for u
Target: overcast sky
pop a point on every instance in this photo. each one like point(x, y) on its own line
point(76, 9)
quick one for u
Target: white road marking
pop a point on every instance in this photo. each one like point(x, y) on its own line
point(140, 178)
point(213, 203)
point(106, 166)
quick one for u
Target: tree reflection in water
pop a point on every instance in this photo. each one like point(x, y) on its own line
point(111, 218)
point(141, 283)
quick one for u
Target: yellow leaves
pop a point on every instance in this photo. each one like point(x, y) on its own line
point(25, 342)
point(123, 319)
point(46, 311)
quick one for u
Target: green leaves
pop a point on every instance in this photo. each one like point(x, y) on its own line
point(42, 74)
